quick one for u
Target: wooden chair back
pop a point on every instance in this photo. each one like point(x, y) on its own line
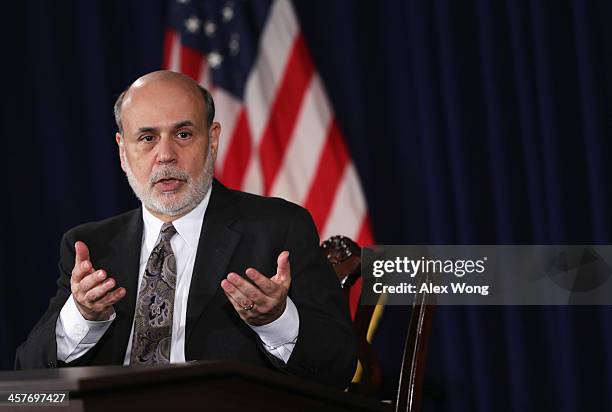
point(345, 256)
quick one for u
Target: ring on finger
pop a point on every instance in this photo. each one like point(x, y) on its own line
point(249, 307)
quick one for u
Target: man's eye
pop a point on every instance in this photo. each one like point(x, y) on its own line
point(184, 135)
point(147, 138)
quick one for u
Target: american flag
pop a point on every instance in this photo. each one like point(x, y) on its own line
point(279, 134)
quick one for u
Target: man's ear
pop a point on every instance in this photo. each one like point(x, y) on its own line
point(119, 140)
point(213, 135)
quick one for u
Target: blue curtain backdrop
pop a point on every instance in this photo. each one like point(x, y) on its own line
point(477, 122)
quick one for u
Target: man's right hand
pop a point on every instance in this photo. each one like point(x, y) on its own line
point(92, 289)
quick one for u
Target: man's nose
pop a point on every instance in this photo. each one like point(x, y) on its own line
point(166, 152)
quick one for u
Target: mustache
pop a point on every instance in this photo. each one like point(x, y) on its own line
point(168, 172)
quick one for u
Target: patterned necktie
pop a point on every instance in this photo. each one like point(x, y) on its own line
point(153, 319)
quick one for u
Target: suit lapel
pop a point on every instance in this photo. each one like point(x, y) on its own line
point(126, 248)
point(215, 249)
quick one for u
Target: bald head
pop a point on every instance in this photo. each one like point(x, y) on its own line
point(165, 79)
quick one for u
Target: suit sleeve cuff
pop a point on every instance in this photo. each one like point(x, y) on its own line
point(283, 330)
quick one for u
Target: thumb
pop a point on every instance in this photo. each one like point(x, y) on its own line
point(82, 252)
point(283, 270)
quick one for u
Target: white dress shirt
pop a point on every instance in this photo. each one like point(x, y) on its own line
point(75, 335)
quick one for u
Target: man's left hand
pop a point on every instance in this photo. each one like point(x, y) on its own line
point(264, 300)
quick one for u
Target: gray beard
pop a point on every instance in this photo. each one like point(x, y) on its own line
point(196, 187)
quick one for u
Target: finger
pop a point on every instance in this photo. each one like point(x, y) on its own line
point(247, 289)
point(235, 304)
point(100, 290)
point(267, 286)
point(283, 270)
point(82, 252)
point(81, 270)
point(112, 297)
point(82, 264)
point(240, 299)
point(92, 280)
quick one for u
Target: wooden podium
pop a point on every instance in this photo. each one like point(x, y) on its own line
point(195, 386)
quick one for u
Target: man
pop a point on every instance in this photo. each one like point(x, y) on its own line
point(200, 271)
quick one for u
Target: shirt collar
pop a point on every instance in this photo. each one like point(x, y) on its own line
point(188, 227)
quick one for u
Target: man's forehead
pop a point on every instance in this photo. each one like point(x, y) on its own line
point(162, 104)
point(162, 89)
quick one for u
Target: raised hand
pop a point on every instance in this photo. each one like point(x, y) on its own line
point(92, 289)
point(265, 301)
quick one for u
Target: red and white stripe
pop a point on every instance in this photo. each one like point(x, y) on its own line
point(284, 140)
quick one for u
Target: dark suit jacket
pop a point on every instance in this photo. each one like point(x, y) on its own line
point(240, 230)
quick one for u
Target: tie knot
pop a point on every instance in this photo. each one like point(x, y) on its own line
point(167, 231)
